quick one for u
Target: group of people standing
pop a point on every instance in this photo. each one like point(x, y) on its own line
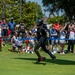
point(6, 29)
point(62, 35)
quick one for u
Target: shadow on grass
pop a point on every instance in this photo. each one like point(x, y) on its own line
point(58, 61)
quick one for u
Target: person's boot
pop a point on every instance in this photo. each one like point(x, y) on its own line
point(40, 59)
point(54, 58)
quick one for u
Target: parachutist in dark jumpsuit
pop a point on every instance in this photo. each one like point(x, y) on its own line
point(42, 38)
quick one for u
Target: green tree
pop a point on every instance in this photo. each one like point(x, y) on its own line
point(21, 10)
point(59, 18)
point(10, 8)
point(33, 12)
point(55, 5)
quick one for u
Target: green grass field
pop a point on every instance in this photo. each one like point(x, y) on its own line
point(12, 63)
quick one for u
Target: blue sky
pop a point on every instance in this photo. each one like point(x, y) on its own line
point(40, 3)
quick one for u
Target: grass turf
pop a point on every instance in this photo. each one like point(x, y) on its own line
point(12, 63)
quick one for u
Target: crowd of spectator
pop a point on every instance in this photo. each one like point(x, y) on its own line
point(59, 35)
point(15, 35)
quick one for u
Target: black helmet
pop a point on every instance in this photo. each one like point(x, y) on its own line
point(39, 22)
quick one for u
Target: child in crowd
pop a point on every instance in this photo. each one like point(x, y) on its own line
point(9, 36)
point(27, 47)
point(32, 42)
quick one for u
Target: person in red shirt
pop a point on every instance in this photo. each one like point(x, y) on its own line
point(9, 32)
point(57, 26)
point(9, 35)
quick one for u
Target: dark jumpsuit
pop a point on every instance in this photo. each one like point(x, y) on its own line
point(42, 38)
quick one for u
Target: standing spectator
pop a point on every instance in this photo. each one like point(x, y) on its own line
point(62, 40)
point(71, 33)
point(22, 28)
point(12, 25)
point(0, 38)
point(5, 31)
point(57, 26)
point(54, 41)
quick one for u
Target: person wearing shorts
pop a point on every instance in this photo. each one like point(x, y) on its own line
point(54, 41)
point(19, 45)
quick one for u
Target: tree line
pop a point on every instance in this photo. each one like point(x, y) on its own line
point(29, 12)
point(66, 6)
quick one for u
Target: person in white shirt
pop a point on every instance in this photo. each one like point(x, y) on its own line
point(62, 40)
point(71, 33)
point(32, 43)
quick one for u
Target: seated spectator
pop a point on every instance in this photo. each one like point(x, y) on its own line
point(16, 42)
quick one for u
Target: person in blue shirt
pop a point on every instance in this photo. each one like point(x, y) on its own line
point(16, 42)
point(12, 26)
point(54, 36)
